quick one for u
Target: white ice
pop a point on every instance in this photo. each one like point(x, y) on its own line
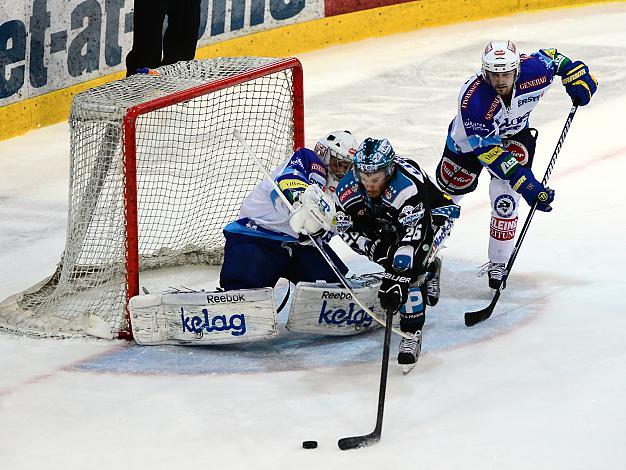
point(541, 385)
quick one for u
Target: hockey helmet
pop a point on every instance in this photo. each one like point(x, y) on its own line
point(337, 150)
point(374, 155)
point(500, 56)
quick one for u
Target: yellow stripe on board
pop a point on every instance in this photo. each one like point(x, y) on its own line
point(53, 107)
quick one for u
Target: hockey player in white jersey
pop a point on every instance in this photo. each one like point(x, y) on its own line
point(267, 241)
point(492, 130)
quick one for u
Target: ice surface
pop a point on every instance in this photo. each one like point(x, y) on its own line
point(540, 385)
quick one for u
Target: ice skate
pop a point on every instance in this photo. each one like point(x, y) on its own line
point(495, 273)
point(410, 351)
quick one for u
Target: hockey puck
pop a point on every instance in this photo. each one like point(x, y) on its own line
point(309, 444)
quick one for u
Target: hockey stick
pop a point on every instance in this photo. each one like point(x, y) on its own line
point(355, 442)
point(315, 242)
point(472, 318)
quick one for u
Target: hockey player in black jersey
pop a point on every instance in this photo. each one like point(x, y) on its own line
point(391, 211)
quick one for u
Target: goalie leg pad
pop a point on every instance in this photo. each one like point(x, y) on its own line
point(329, 309)
point(204, 318)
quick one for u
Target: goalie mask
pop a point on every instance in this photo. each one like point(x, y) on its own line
point(337, 151)
point(499, 57)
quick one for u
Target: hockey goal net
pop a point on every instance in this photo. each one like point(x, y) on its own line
point(155, 175)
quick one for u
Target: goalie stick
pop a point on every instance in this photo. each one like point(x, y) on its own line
point(472, 318)
point(315, 242)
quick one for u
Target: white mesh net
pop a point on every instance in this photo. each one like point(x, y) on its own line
point(192, 176)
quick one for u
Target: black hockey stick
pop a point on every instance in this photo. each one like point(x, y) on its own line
point(372, 438)
point(472, 318)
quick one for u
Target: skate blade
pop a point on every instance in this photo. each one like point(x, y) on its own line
point(406, 368)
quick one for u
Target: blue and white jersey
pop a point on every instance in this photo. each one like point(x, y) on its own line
point(263, 213)
point(483, 119)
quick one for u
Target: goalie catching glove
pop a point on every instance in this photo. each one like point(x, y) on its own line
point(314, 214)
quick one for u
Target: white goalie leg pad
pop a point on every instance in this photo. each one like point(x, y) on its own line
point(204, 318)
point(329, 309)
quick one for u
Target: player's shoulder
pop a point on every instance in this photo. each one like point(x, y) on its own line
point(306, 159)
point(404, 183)
point(536, 71)
point(347, 188)
point(306, 165)
point(477, 96)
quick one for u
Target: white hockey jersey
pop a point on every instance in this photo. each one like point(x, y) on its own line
point(263, 213)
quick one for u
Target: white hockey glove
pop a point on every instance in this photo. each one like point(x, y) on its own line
point(315, 212)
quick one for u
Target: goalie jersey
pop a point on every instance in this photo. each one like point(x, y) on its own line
point(263, 213)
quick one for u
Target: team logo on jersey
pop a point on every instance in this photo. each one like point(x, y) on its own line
point(410, 216)
point(504, 205)
point(493, 107)
point(390, 192)
point(518, 150)
point(474, 126)
point(489, 157)
point(319, 168)
point(296, 161)
point(528, 99)
point(349, 191)
point(503, 229)
point(453, 177)
point(508, 165)
point(468, 94)
point(533, 83)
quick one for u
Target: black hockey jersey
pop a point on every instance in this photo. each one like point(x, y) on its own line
point(401, 216)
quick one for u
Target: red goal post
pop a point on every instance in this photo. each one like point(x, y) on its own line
point(155, 175)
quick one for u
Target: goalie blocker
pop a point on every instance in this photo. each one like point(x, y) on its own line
point(238, 316)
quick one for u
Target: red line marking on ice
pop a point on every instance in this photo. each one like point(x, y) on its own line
point(67, 367)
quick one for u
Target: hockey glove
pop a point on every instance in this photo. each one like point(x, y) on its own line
point(579, 83)
point(393, 291)
point(544, 199)
point(378, 251)
point(525, 183)
point(314, 213)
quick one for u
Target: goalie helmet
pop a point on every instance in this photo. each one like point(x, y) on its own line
point(500, 56)
point(374, 155)
point(337, 151)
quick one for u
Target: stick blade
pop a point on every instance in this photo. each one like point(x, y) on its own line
point(472, 318)
point(357, 442)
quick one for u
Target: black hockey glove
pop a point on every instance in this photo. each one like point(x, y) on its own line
point(393, 291)
point(379, 251)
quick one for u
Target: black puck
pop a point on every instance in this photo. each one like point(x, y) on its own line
point(309, 444)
